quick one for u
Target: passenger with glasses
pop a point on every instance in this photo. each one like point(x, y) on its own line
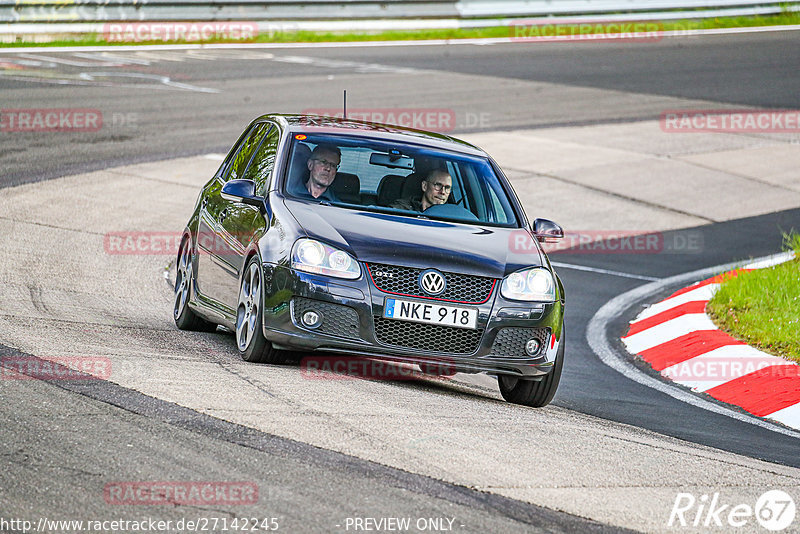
point(322, 166)
point(436, 189)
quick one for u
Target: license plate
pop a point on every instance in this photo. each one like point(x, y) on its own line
point(429, 313)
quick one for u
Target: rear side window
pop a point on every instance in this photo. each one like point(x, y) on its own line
point(244, 153)
point(263, 162)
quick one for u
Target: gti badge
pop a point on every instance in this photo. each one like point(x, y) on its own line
point(432, 282)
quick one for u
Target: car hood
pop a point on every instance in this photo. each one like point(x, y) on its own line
point(390, 239)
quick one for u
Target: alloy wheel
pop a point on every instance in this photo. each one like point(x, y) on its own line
point(247, 310)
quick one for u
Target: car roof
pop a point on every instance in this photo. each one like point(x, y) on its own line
point(374, 130)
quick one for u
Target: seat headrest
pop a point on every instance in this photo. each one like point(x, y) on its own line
point(412, 187)
point(390, 189)
point(347, 187)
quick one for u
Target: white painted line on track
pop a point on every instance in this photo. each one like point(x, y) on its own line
point(770, 261)
point(598, 339)
point(602, 271)
point(88, 79)
point(165, 81)
point(341, 64)
point(373, 44)
point(125, 60)
point(72, 63)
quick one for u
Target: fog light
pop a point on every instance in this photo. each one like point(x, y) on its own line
point(532, 347)
point(312, 319)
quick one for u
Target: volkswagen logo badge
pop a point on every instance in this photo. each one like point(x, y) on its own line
point(432, 282)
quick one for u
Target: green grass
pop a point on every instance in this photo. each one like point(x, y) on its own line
point(785, 18)
point(762, 307)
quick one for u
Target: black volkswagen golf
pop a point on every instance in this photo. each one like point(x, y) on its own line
point(324, 234)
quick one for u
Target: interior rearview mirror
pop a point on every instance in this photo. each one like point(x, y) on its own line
point(392, 161)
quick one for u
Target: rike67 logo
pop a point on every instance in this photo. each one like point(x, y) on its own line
point(774, 510)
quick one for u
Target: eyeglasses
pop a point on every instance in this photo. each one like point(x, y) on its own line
point(441, 187)
point(327, 164)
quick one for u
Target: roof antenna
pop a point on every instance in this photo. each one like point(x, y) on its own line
point(345, 104)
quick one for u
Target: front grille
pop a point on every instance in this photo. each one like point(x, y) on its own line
point(429, 337)
point(510, 342)
point(404, 280)
point(337, 320)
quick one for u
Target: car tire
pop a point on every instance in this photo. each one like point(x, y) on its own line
point(536, 393)
point(185, 318)
point(253, 346)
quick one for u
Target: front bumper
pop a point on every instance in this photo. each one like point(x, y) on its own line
point(352, 323)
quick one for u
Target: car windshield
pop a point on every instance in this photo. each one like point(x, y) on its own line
point(405, 179)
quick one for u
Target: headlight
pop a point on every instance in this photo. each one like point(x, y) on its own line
point(312, 256)
point(531, 284)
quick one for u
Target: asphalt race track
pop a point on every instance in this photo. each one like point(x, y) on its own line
point(575, 125)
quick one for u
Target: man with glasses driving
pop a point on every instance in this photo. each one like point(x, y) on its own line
point(322, 167)
point(436, 189)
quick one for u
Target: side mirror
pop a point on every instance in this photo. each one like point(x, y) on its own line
point(546, 231)
point(243, 191)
